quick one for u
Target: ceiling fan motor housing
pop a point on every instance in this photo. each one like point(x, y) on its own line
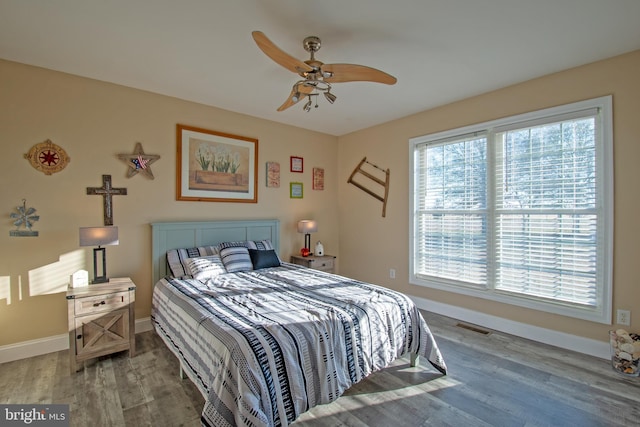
point(312, 44)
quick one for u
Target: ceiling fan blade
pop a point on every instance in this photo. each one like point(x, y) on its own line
point(353, 73)
point(278, 55)
point(303, 90)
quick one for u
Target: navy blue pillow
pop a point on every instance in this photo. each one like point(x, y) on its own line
point(264, 259)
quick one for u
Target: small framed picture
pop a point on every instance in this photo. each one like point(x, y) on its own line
point(297, 164)
point(273, 174)
point(296, 190)
point(318, 179)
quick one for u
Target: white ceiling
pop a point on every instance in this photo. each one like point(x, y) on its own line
point(202, 50)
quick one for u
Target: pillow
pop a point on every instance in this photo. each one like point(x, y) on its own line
point(236, 258)
point(264, 259)
point(205, 268)
point(223, 245)
point(261, 245)
point(177, 258)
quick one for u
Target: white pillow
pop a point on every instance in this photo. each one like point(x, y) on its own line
point(177, 258)
point(205, 268)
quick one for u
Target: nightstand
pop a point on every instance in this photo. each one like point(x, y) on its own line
point(323, 263)
point(101, 320)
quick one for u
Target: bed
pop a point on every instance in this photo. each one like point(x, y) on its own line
point(268, 340)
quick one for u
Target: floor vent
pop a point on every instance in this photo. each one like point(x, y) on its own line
point(473, 328)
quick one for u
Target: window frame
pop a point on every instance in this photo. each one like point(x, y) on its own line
point(602, 312)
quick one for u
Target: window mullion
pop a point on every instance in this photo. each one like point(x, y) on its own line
point(492, 153)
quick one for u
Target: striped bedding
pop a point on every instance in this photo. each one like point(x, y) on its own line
point(264, 346)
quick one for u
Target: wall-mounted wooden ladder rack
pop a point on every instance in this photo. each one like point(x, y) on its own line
point(384, 183)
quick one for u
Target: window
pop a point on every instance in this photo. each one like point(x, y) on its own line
point(518, 210)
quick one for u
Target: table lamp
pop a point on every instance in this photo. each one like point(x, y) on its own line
point(99, 236)
point(307, 226)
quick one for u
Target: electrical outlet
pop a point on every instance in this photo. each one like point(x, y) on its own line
point(623, 317)
point(392, 273)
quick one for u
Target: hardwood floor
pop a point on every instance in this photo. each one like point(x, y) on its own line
point(493, 380)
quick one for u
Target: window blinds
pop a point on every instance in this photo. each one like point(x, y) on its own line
point(513, 210)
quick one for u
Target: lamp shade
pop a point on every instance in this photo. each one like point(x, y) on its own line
point(307, 226)
point(98, 236)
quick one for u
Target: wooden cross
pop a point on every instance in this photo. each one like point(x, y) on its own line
point(106, 191)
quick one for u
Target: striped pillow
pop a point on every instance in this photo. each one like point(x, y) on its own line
point(236, 258)
point(224, 245)
point(177, 258)
point(261, 245)
point(205, 268)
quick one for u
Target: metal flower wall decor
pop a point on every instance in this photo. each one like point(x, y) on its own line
point(24, 218)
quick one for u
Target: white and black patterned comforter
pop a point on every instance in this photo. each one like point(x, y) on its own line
point(267, 345)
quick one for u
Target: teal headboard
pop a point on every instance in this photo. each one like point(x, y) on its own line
point(175, 235)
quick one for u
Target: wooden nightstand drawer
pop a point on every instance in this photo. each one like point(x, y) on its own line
point(100, 303)
point(322, 262)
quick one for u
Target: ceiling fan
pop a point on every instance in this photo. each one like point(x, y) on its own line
point(317, 76)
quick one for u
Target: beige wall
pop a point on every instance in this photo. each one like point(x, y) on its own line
point(370, 245)
point(94, 121)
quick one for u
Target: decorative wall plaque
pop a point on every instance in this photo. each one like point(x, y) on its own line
point(24, 218)
point(47, 157)
point(139, 162)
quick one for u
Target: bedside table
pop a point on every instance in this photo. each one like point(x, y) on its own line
point(101, 320)
point(323, 263)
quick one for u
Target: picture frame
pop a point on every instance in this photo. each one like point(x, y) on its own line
point(214, 166)
point(317, 182)
point(296, 190)
point(273, 174)
point(297, 164)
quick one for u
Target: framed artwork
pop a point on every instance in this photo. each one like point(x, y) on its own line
point(297, 164)
point(296, 190)
point(215, 167)
point(273, 174)
point(318, 179)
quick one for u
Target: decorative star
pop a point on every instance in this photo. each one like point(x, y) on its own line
point(139, 162)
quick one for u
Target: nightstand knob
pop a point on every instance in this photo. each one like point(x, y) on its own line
point(99, 304)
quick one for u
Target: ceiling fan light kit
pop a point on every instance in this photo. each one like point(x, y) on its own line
point(317, 76)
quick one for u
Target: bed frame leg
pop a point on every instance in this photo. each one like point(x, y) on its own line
point(414, 360)
point(182, 375)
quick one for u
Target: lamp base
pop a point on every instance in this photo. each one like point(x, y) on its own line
point(103, 277)
point(305, 252)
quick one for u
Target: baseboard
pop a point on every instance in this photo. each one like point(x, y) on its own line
point(25, 349)
point(588, 346)
point(547, 336)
